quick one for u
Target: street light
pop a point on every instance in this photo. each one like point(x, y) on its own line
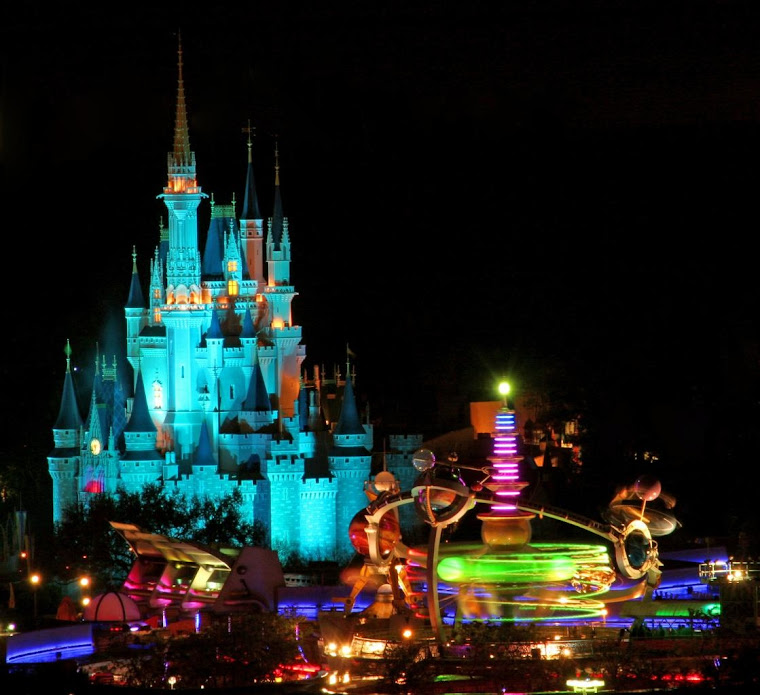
point(35, 580)
point(85, 583)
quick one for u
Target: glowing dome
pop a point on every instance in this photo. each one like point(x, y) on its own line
point(647, 488)
point(384, 481)
point(112, 607)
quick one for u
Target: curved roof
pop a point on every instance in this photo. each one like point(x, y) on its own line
point(112, 606)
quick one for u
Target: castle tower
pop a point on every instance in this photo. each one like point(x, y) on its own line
point(252, 222)
point(183, 315)
point(350, 459)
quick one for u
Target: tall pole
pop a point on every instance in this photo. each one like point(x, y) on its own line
point(434, 604)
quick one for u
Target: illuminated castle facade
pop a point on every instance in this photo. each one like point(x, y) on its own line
point(219, 400)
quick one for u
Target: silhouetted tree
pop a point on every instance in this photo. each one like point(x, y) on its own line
point(85, 542)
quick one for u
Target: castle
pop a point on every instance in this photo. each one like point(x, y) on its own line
point(219, 399)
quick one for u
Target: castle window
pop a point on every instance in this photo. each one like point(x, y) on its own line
point(157, 293)
point(157, 315)
point(232, 266)
point(232, 392)
point(233, 289)
point(158, 395)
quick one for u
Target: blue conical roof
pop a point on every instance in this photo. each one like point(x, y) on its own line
point(203, 454)
point(257, 398)
point(135, 300)
point(215, 327)
point(349, 422)
point(69, 417)
point(140, 420)
point(249, 330)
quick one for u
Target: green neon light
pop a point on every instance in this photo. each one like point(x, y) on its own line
point(695, 610)
point(541, 563)
point(544, 610)
point(556, 582)
point(522, 570)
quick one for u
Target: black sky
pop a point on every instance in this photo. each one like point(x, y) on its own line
point(560, 191)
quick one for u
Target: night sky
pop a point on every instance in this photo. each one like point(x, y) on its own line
point(563, 193)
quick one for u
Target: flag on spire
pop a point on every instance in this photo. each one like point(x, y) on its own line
point(349, 352)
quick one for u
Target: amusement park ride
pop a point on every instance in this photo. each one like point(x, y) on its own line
point(506, 578)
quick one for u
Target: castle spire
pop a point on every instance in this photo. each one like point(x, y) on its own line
point(251, 209)
point(135, 300)
point(349, 421)
point(278, 227)
point(181, 160)
point(182, 154)
point(69, 417)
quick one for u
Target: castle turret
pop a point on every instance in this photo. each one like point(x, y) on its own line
point(350, 459)
point(63, 460)
point(134, 310)
point(141, 463)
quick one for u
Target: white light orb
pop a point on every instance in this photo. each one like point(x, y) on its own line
point(423, 460)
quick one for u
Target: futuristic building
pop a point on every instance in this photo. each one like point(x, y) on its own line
point(217, 398)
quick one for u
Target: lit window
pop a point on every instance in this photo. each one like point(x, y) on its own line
point(232, 266)
point(232, 288)
point(158, 395)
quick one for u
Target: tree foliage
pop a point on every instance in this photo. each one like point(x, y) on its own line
point(248, 650)
point(85, 542)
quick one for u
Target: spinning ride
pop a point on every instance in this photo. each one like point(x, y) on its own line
point(506, 577)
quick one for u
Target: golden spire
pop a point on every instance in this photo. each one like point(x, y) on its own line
point(182, 155)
